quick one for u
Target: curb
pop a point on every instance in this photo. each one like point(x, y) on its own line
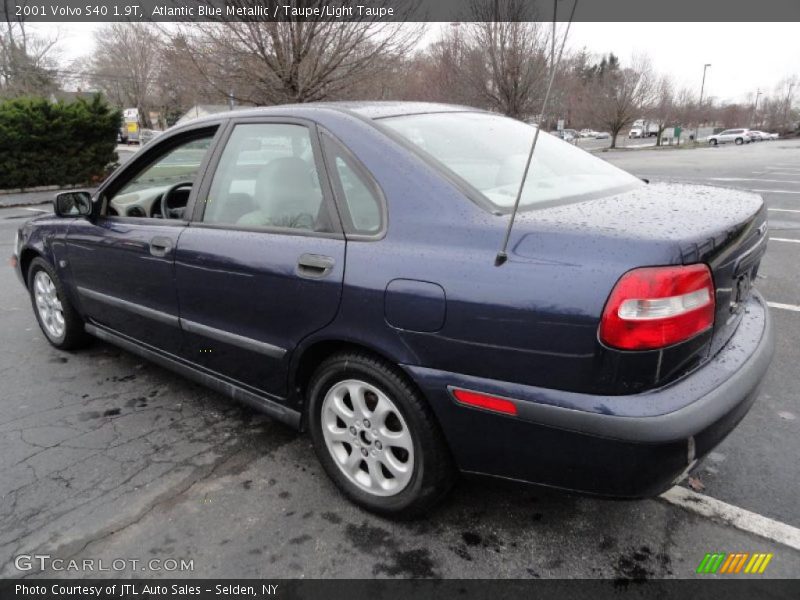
point(21, 204)
point(40, 188)
point(42, 195)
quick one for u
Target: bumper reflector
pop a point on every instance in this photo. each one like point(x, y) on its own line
point(485, 401)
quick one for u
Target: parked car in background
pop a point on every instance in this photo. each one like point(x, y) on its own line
point(588, 133)
point(763, 136)
point(564, 134)
point(336, 266)
point(602, 135)
point(728, 136)
point(148, 135)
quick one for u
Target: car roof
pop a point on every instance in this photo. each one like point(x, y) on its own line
point(382, 109)
point(367, 109)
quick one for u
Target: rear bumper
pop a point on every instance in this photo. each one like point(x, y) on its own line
point(622, 446)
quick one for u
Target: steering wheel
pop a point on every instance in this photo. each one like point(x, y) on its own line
point(167, 212)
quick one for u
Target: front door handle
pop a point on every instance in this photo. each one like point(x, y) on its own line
point(160, 246)
point(314, 265)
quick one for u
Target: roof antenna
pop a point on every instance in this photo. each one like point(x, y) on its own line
point(502, 256)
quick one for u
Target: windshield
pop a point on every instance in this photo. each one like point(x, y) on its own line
point(489, 152)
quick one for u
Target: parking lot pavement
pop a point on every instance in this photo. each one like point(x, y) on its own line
point(103, 455)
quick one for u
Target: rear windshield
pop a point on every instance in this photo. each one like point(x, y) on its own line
point(489, 153)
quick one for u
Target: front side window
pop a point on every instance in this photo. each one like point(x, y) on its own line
point(142, 195)
point(267, 178)
point(489, 153)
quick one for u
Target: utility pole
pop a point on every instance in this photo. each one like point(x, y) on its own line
point(755, 108)
point(787, 108)
point(553, 41)
point(700, 105)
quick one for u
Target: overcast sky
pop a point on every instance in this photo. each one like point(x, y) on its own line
point(744, 56)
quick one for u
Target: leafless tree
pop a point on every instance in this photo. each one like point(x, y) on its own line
point(776, 109)
point(443, 70)
point(180, 84)
point(294, 60)
point(125, 65)
point(662, 110)
point(506, 60)
point(27, 61)
point(685, 107)
point(620, 94)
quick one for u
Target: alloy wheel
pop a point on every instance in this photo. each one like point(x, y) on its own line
point(367, 437)
point(51, 312)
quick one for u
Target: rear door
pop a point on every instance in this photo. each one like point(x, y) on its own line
point(122, 261)
point(262, 263)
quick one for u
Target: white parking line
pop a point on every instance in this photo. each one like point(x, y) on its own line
point(38, 210)
point(784, 240)
point(791, 210)
point(792, 307)
point(752, 179)
point(740, 518)
point(776, 191)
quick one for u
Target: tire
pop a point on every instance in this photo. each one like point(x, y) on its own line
point(739, 141)
point(713, 142)
point(49, 301)
point(404, 467)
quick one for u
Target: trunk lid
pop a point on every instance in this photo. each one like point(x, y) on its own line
point(660, 224)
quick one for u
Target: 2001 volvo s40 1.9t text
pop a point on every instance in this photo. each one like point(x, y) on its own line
point(334, 266)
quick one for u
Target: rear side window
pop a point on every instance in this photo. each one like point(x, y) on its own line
point(355, 188)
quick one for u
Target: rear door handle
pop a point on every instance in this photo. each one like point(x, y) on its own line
point(314, 265)
point(160, 246)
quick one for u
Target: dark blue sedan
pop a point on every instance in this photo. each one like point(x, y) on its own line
point(333, 265)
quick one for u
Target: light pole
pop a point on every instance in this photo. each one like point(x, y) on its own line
point(700, 106)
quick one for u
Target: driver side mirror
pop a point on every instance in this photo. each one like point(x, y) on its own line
point(73, 204)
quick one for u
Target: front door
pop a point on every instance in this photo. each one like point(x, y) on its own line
point(122, 262)
point(261, 265)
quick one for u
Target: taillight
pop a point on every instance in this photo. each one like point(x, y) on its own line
point(655, 307)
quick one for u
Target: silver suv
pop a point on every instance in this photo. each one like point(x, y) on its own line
point(737, 136)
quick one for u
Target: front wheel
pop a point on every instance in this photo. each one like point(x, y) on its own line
point(60, 323)
point(376, 437)
point(739, 141)
point(713, 142)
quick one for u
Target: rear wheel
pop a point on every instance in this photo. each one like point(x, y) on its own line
point(739, 141)
point(376, 437)
point(60, 323)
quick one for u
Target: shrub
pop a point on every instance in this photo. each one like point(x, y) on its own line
point(45, 143)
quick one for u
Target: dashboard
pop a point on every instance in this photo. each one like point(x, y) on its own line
point(146, 203)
